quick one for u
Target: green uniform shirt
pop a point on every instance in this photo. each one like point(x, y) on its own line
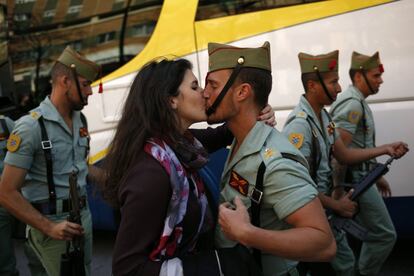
point(3, 139)
point(301, 128)
point(69, 149)
point(352, 113)
point(287, 185)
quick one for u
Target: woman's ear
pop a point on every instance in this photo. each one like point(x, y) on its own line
point(174, 102)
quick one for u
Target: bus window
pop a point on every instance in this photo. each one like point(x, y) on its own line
point(208, 9)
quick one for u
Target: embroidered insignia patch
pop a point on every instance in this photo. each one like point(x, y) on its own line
point(83, 132)
point(34, 115)
point(268, 153)
point(301, 114)
point(13, 142)
point(296, 139)
point(238, 183)
point(331, 128)
point(353, 117)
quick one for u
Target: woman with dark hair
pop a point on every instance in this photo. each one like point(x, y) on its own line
point(152, 174)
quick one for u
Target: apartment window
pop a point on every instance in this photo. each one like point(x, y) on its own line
point(50, 13)
point(20, 17)
point(75, 9)
point(24, 1)
point(142, 30)
point(106, 37)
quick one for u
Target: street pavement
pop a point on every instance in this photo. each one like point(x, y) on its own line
point(400, 263)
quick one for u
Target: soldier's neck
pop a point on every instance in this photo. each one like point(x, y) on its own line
point(62, 107)
point(315, 104)
point(240, 125)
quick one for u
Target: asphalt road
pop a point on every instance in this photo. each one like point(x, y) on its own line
point(400, 263)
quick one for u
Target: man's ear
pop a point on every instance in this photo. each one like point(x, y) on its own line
point(244, 91)
point(174, 102)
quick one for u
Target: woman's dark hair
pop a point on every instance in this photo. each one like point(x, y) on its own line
point(147, 113)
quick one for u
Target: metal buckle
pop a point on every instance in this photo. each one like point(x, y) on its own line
point(46, 144)
point(256, 195)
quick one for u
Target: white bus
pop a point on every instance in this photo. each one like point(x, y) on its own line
point(184, 28)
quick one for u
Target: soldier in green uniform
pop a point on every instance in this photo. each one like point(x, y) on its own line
point(355, 122)
point(47, 146)
point(290, 224)
point(309, 128)
point(7, 257)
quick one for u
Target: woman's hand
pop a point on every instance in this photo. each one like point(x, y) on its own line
point(267, 115)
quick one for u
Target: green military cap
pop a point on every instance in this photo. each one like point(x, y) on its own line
point(360, 61)
point(322, 63)
point(84, 67)
point(223, 56)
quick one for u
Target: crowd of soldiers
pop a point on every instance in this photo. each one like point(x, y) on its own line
point(45, 147)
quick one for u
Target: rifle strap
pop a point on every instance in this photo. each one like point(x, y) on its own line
point(255, 208)
point(47, 149)
point(255, 204)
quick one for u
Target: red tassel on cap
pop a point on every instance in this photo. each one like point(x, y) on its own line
point(100, 87)
point(381, 68)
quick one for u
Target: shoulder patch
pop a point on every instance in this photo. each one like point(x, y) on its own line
point(238, 183)
point(296, 139)
point(34, 115)
point(13, 142)
point(353, 116)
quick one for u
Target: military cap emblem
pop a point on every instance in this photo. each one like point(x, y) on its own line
point(238, 183)
point(353, 116)
point(13, 142)
point(296, 139)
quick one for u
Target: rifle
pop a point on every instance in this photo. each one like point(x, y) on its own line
point(72, 261)
point(348, 224)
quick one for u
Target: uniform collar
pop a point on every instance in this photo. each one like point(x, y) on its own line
point(252, 143)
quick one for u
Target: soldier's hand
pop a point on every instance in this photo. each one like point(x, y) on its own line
point(397, 149)
point(234, 219)
point(65, 230)
point(267, 115)
point(384, 187)
point(347, 207)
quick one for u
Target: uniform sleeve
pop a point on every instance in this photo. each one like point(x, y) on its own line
point(10, 124)
point(214, 139)
point(144, 198)
point(348, 115)
point(298, 133)
point(23, 143)
point(288, 187)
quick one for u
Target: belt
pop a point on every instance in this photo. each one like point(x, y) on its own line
point(50, 208)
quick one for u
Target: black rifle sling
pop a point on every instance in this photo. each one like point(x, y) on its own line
point(47, 149)
point(315, 152)
point(5, 131)
point(255, 209)
point(255, 205)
